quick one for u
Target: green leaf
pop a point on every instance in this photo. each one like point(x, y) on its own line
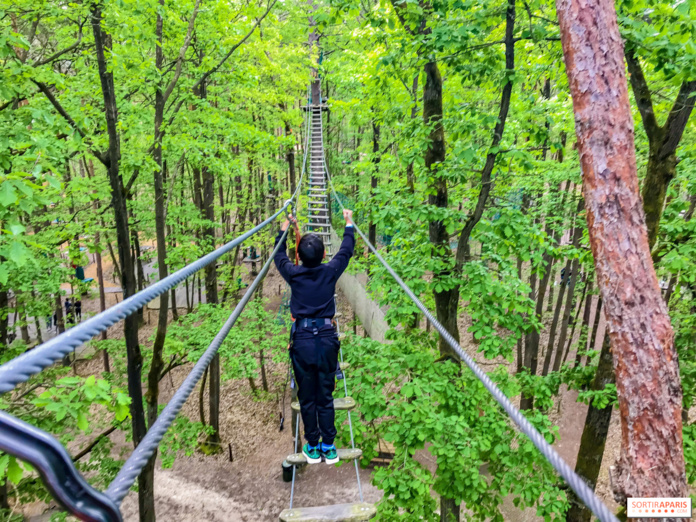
point(82, 422)
point(8, 194)
point(14, 471)
point(19, 253)
point(17, 229)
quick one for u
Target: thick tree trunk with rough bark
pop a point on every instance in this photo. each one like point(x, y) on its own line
point(651, 463)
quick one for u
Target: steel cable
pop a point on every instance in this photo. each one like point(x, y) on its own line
point(574, 480)
point(138, 459)
point(21, 368)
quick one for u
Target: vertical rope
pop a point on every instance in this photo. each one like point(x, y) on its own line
point(350, 421)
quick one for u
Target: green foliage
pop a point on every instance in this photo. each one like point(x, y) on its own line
point(441, 414)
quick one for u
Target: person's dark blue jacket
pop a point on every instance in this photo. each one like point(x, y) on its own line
point(313, 289)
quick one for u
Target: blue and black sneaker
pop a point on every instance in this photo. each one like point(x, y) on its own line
point(329, 453)
point(312, 453)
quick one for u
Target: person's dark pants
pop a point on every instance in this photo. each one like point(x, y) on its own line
point(314, 356)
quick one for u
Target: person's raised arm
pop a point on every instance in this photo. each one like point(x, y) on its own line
point(282, 262)
point(342, 258)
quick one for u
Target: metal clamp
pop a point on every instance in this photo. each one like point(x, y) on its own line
point(56, 467)
point(289, 208)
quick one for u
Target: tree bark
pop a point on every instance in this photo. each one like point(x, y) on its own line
point(446, 300)
point(290, 158)
point(594, 437)
point(410, 177)
point(651, 463)
point(372, 233)
point(663, 141)
point(574, 321)
point(3, 317)
point(211, 291)
point(157, 361)
point(567, 311)
point(570, 282)
point(554, 323)
point(118, 202)
point(102, 297)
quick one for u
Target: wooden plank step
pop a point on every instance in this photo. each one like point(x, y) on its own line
point(342, 403)
point(323, 225)
point(343, 454)
point(357, 511)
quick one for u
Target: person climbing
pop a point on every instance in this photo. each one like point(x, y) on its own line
point(314, 341)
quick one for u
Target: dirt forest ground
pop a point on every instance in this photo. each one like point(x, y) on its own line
point(250, 487)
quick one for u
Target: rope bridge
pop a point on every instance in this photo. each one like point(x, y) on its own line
point(67, 485)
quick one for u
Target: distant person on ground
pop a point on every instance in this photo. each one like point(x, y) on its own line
point(78, 310)
point(314, 341)
point(69, 312)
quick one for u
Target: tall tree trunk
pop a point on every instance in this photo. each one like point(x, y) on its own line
point(554, 322)
point(4, 301)
point(157, 361)
point(585, 332)
point(594, 437)
point(571, 277)
point(663, 141)
point(567, 311)
point(37, 325)
point(533, 337)
point(410, 177)
point(60, 320)
point(574, 320)
point(290, 158)
point(112, 162)
point(651, 463)
point(4, 495)
point(24, 325)
point(372, 233)
point(211, 291)
point(102, 297)
point(446, 301)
